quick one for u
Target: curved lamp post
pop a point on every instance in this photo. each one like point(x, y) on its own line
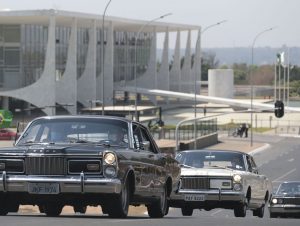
point(251, 80)
point(102, 54)
point(135, 57)
point(195, 79)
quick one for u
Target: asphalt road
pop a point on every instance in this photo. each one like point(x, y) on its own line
point(280, 162)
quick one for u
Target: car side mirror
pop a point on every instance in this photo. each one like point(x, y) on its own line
point(255, 170)
point(145, 145)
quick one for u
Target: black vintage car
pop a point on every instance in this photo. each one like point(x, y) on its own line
point(286, 201)
point(86, 160)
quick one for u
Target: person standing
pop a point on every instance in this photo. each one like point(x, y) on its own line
point(204, 110)
point(246, 130)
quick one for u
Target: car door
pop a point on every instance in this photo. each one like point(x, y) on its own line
point(254, 181)
point(262, 186)
point(158, 167)
point(142, 163)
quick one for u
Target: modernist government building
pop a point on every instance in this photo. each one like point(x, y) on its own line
point(51, 57)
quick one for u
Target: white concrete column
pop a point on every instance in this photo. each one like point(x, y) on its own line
point(86, 86)
point(42, 92)
point(66, 88)
point(186, 81)
point(175, 70)
point(109, 66)
point(196, 70)
point(220, 83)
point(163, 81)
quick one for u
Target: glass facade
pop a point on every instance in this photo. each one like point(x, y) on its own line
point(124, 55)
point(23, 51)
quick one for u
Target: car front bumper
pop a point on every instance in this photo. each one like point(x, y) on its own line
point(209, 196)
point(67, 184)
point(284, 208)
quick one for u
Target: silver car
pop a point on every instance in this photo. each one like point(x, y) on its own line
point(286, 201)
point(220, 179)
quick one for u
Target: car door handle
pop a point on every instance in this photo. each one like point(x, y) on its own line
point(151, 156)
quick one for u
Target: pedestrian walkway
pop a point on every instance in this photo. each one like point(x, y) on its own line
point(238, 144)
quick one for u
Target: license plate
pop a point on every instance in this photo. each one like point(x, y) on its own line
point(43, 188)
point(194, 198)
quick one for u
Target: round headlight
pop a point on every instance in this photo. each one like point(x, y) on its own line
point(237, 187)
point(109, 158)
point(274, 201)
point(110, 171)
point(237, 178)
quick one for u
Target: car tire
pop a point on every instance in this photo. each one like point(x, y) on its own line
point(159, 208)
point(119, 206)
point(52, 209)
point(3, 211)
point(259, 212)
point(187, 211)
point(240, 210)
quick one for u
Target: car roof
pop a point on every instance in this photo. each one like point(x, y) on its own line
point(85, 117)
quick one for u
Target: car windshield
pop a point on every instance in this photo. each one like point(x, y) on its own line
point(76, 130)
point(289, 188)
point(208, 159)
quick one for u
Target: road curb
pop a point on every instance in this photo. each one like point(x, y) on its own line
point(260, 149)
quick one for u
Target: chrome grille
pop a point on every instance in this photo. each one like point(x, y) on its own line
point(195, 183)
point(295, 201)
point(45, 165)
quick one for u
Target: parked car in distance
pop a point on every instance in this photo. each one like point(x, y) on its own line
point(86, 160)
point(220, 179)
point(286, 200)
point(7, 134)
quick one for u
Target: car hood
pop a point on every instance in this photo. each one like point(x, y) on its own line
point(56, 149)
point(209, 172)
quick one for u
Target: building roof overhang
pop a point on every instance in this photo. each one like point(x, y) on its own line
point(65, 18)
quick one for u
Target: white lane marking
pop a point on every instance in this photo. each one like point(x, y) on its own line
point(260, 149)
point(291, 160)
point(284, 175)
point(218, 211)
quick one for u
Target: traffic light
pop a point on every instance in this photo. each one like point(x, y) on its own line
point(279, 108)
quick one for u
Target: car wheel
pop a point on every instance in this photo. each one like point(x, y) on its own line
point(79, 209)
point(41, 208)
point(120, 204)
point(259, 212)
point(3, 206)
point(159, 208)
point(187, 211)
point(240, 210)
point(52, 209)
point(3, 211)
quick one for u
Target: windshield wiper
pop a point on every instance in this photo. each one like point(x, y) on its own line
point(187, 166)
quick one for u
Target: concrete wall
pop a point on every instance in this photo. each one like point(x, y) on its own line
point(220, 83)
point(202, 142)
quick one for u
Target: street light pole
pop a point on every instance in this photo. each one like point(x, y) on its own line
point(195, 77)
point(251, 80)
point(135, 57)
point(102, 55)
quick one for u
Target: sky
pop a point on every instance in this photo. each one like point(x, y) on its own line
point(245, 18)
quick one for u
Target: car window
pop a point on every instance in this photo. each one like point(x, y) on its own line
point(249, 163)
point(141, 139)
point(289, 188)
point(204, 159)
point(77, 130)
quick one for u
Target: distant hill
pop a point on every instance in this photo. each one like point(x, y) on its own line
point(262, 55)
